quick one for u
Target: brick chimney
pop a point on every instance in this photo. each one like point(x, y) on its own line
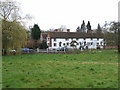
point(56, 30)
point(68, 30)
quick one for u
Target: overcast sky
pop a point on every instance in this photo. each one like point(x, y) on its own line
point(50, 14)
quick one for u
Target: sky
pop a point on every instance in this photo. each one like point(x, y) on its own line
point(51, 14)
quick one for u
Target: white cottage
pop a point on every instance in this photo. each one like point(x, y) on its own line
point(57, 40)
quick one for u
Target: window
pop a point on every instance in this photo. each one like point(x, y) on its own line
point(60, 44)
point(67, 44)
point(91, 38)
point(88, 43)
point(97, 43)
point(85, 43)
point(54, 39)
point(48, 44)
point(55, 44)
point(76, 38)
point(80, 43)
point(48, 39)
point(97, 38)
point(91, 43)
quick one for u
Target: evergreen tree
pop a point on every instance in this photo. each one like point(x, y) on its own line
point(44, 44)
point(99, 30)
point(88, 26)
point(35, 32)
point(78, 29)
point(83, 26)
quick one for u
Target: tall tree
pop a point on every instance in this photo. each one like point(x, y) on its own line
point(35, 35)
point(99, 29)
point(14, 35)
point(88, 26)
point(111, 34)
point(114, 27)
point(83, 27)
point(9, 10)
point(35, 32)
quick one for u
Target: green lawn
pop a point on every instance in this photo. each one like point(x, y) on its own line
point(89, 70)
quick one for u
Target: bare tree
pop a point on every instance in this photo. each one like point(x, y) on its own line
point(7, 8)
point(10, 10)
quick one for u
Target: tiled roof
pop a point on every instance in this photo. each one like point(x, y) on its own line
point(44, 35)
point(74, 35)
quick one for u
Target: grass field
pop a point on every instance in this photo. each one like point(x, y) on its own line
point(89, 70)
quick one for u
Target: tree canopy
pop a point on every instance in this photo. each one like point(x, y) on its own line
point(111, 33)
point(35, 32)
point(99, 29)
point(88, 26)
point(83, 27)
point(13, 35)
point(44, 44)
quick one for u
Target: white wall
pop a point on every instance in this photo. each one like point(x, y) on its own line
point(88, 40)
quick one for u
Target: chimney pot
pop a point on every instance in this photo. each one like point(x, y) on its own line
point(68, 30)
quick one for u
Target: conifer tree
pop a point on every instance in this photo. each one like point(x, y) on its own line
point(99, 29)
point(83, 26)
point(78, 29)
point(35, 32)
point(88, 26)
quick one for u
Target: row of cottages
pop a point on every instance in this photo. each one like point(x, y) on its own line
point(57, 40)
